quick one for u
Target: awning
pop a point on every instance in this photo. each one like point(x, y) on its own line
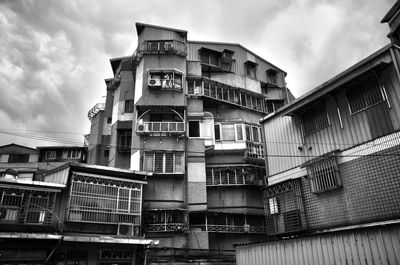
point(109, 239)
point(16, 235)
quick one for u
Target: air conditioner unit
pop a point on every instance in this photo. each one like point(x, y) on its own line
point(8, 214)
point(140, 127)
point(127, 230)
point(154, 82)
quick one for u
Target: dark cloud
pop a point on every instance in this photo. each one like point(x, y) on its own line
point(55, 53)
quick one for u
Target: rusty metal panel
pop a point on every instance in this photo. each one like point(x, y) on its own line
point(373, 246)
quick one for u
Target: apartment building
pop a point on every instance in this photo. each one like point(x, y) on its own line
point(189, 111)
point(333, 169)
point(77, 214)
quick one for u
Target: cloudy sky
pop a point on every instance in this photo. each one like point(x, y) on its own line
point(55, 54)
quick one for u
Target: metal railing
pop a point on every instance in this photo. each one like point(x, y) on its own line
point(255, 150)
point(165, 227)
point(231, 228)
point(159, 47)
point(160, 127)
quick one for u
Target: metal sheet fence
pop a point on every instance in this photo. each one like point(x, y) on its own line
point(378, 245)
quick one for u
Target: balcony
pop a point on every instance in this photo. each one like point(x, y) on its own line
point(160, 47)
point(235, 175)
point(230, 228)
point(160, 128)
point(227, 223)
point(227, 94)
point(27, 207)
point(165, 79)
point(93, 111)
point(159, 220)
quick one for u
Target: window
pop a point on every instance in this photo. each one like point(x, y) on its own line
point(273, 205)
point(102, 200)
point(324, 175)
point(235, 175)
point(251, 69)
point(124, 138)
point(168, 79)
point(253, 133)
point(50, 155)
point(210, 57)
point(163, 162)
point(109, 119)
point(71, 154)
point(315, 120)
point(272, 76)
point(18, 158)
point(228, 132)
point(364, 96)
point(284, 207)
point(194, 128)
point(129, 106)
point(76, 256)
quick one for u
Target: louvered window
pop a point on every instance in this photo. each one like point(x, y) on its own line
point(158, 162)
point(364, 96)
point(324, 175)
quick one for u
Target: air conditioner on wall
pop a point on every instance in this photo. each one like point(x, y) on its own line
point(127, 230)
point(140, 128)
point(154, 82)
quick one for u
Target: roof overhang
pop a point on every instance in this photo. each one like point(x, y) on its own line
point(140, 27)
point(378, 59)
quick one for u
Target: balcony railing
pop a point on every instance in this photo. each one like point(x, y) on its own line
point(254, 150)
point(223, 176)
point(93, 111)
point(227, 94)
point(27, 207)
point(160, 127)
point(160, 47)
point(230, 228)
point(165, 227)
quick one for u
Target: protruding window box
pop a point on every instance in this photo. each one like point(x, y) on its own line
point(165, 79)
point(163, 162)
point(235, 175)
point(167, 128)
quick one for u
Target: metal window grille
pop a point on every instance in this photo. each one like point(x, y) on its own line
point(115, 256)
point(74, 257)
point(365, 95)
point(165, 220)
point(238, 175)
point(315, 120)
point(102, 200)
point(284, 210)
point(324, 175)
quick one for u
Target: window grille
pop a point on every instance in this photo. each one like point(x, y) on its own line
point(315, 120)
point(324, 175)
point(160, 162)
point(74, 257)
point(102, 200)
point(236, 175)
point(284, 207)
point(124, 138)
point(116, 256)
point(129, 106)
point(364, 95)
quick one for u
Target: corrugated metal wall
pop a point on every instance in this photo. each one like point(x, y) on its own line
point(373, 246)
point(283, 133)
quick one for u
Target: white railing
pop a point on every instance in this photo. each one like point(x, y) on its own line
point(161, 127)
point(255, 150)
point(230, 228)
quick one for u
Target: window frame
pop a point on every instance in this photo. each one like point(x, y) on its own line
point(315, 120)
point(324, 175)
point(150, 156)
point(369, 94)
point(50, 155)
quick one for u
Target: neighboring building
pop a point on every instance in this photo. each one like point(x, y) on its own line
point(78, 214)
point(333, 169)
point(62, 154)
point(19, 158)
point(189, 112)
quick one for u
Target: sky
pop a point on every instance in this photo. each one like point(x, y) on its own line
point(55, 54)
